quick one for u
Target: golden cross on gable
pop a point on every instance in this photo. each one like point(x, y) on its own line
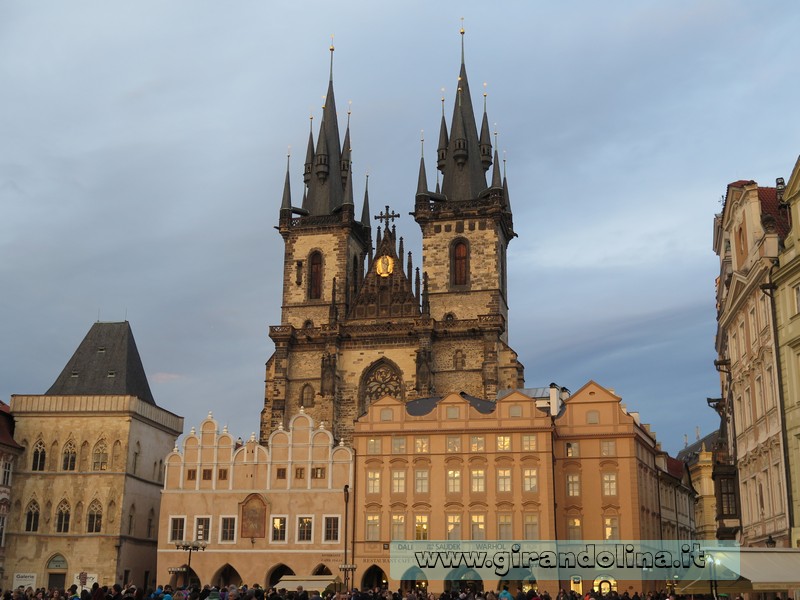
point(387, 216)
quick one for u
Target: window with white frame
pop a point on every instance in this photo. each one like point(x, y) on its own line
point(478, 483)
point(503, 443)
point(176, 529)
point(454, 443)
point(372, 532)
point(530, 480)
point(305, 528)
point(398, 481)
point(608, 448)
point(398, 445)
point(421, 527)
point(478, 526)
point(331, 531)
point(227, 529)
point(373, 482)
point(202, 529)
point(573, 484)
point(531, 526)
point(609, 484)
point(453, 481)
point(374, 446)
point(503, 480)
point(279, 528)
point(398, 527)
point(453, 527)
point(504, 530)
point(421, 481)
point(529, 442)
point(611, 528)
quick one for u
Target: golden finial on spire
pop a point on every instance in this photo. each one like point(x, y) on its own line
point(504, 164)
point(349, 110)
point(484, 96)
point(288, 152)
point(422, 141)
point(495, 135)
point(461, 31)
point(323, 102)
point(442, 102)
point(331, 57)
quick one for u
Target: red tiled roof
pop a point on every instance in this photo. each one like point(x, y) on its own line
point(4, 407)
point(6, 424)
point(675, 467)
point(741, 183)
point(768, 197)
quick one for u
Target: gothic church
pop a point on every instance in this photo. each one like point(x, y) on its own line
point(359, 321)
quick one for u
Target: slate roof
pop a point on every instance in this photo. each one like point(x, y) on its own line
point(689, 453)
point(422, 406)
point(106, 363)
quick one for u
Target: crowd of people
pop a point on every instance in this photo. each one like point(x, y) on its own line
point(256, 592)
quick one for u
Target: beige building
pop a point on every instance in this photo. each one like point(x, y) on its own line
point(746, 239)
point(699, 458)
point(461, 468)
point(786, 278)
point(270, 514)
point(87, 486)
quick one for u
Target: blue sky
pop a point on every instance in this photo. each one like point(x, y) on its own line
point(142, 157)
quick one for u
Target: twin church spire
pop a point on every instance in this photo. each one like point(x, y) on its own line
point(464, 155)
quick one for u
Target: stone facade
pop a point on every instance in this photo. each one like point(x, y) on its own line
point(358, 319)
point(86, 490)
point(9, 455)
point(787, 308)
point(746, 239)
point(266, 512)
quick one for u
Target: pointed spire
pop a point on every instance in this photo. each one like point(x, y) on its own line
point(497, 179)
point(309, 152)
point(365, 211)
point(464, 174)
point(409, 268)
point(486, 137)
point(400, 250)
point(505, 185)
point(348, 194)
point(422, 181)
point(444, 141)
point(326, 190)
point(345, 162)
point(286, 204)
point(416, 285)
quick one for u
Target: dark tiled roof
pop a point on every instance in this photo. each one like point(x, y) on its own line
point(688, 453)
point(106, 363)
point(422, 406)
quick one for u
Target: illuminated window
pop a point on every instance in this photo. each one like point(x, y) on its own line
point(611, 528)
point(477, 443)
point(372, 532)
point(421, 481)
point(574, 530)
point(305, 527)
point(398, 482)
point(609, 484)
point(421, 527)
point(453, 527)
point(528, 443)
point(478, 527)
point(454, 443)
point(373, 446)
point(503, 480)
point(530, 480)
point(373, 482)
point(503, 443)
point(278, 529)
point(453, 481)
point(398, 527)
point(422, 445)
point(573, 484)
point(572, 449)
point(478, 480)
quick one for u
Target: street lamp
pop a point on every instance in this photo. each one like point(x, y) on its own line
point(346, 568)
point(713, 564)
point(190, 546)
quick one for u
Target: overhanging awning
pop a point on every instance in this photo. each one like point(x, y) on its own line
point(309, 582)
point(760, 569)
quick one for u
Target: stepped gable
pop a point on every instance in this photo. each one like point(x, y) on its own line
point(386, 290)
point(106, 363)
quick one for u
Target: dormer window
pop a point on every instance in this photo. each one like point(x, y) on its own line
point(74, 373)
point(112, 374)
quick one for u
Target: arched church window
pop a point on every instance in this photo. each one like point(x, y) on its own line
point(62, 517)
point(94, 518)
point(383, 379)
point(315, 276)
point(32, 516)
point(39, 456)
point(100, 457)
point(69, 456)
point(460, 263)
point(307, 396)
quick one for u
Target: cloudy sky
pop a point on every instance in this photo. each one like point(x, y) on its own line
point(143, 150)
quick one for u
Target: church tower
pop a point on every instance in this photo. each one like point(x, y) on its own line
point(358, 321)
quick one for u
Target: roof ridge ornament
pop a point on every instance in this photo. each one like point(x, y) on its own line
point(461, 31)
